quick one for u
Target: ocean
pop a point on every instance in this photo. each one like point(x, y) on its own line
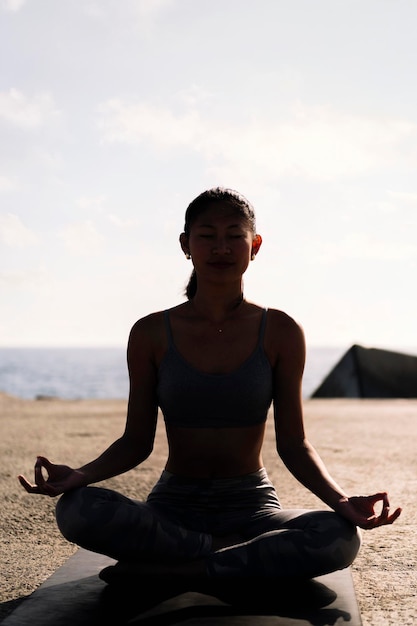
point(101, 373)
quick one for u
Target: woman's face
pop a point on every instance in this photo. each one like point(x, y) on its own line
point(221, 243)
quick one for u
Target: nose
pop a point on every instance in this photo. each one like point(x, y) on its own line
point(221, 246)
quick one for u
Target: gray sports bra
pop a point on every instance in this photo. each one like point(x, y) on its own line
point(191, 398)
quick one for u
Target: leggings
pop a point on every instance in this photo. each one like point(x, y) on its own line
point(180, 516)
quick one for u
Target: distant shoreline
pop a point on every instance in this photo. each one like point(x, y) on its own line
point(80, 373)
point(101, 373)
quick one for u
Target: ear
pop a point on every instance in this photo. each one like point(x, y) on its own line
point(256, 244)
point(184, 243)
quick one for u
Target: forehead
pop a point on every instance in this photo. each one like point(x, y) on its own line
point(221, 214)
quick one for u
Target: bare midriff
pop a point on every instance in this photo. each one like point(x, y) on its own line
point(214, 452)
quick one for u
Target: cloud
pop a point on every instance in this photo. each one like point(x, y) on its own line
point(82, 239)
point(124, 224)
point(92, 202)
point(135, 123)
point(14, 233)
point(12, 6)
point(6, 184)
point(363, 246)
point(194, 95)
point(400, 206)
point(94, 9)
point(24, 112)
point(31, 279)
point(407, 198)
point(317, 143)
point(139, 14)
point(150, 7)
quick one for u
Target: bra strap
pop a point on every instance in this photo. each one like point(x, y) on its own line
point(262, 328)
point(168, 326)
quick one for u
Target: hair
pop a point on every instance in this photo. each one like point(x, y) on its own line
point(219, 195)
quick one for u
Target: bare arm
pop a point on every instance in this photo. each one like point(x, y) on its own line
point(136, 443)
point(297, 453)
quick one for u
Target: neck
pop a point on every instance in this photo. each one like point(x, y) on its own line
point(216, 310)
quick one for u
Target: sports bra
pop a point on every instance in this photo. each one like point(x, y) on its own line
point(194, 399)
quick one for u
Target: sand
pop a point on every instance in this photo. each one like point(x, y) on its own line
point(368, 445)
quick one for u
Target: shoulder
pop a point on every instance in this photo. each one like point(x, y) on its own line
point(152, 326)
point(147, 339)
point(148, 334)
point(283, 324)
point(284, 337)
point(146, 327)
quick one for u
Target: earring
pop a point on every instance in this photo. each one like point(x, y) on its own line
point(187, 256)
point(253, 256)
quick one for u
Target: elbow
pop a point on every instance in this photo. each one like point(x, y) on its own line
point(288, 449)
point(145, 453)
point(282, 452)
point(141, 452)
point(135, 452)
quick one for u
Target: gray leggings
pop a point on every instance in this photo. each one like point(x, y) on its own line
point(180, 517)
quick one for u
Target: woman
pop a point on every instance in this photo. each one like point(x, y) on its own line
point(213, 364)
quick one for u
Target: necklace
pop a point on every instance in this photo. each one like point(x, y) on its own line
point(233, 309)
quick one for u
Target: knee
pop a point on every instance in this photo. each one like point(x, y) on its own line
point(353, 543)
point(337, 539)
point(347, 541)
point(69, 513)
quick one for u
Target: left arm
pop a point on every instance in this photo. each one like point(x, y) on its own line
point(297, 453)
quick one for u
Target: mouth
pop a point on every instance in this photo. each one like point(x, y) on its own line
point(220, 265)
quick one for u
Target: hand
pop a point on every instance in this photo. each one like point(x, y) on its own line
point(361, 510)
point(60, 478)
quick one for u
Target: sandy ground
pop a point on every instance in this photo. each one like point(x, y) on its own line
point(368, 445)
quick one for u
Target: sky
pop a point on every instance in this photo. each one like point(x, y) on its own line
point(115, 114)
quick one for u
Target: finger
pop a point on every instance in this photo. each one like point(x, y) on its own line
point(384, 511)
point(27, 485)
point(385, 516)
point(385, 506)
point(391, 519)
point(39, 478)
point(377, 497)
point(46, 463)
point(385, 501)
point(384, 519)
point(45, 490)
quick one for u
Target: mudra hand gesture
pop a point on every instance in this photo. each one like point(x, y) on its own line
point(60, 478)
point(361, 510)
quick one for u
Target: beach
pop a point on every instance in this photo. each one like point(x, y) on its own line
point(368, 446)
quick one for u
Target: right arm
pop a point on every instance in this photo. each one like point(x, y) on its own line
point(298, 454)
point(136, 443)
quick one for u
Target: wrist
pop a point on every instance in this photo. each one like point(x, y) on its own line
point(83, 477)
point(341, 502)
